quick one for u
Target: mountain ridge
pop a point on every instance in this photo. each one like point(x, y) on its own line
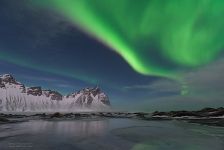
point(15, 96)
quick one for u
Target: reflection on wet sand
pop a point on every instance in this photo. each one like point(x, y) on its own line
point(83, 128)
point(109, 134)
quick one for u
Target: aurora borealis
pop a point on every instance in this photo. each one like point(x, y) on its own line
point(155, 37)
point(146, 52)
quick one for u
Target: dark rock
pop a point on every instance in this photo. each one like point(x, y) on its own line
point(85, 115)
point(56, 115)
point(41, 115)
point(77, 115)
point(207, 109)
point(106, 101)
point(95, 91)
point(3, 119)
point(216, 113)
point(140, 114)
point(206, 112)
point(220, 108)
point(69, 115)
point(2, 85)
point(36, 91)
point(54, 95)
point(182, 113)
point(157, 113)
point(89, 101)
point(7, 78)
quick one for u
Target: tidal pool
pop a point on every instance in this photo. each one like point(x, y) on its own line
point(110, 134)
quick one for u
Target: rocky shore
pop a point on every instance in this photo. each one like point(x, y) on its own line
point(206, 116)
point(11, 118)
point(206, 112)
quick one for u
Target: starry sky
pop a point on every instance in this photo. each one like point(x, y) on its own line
point(146, 55)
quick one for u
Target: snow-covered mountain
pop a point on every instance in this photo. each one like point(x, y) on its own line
point(14, 96)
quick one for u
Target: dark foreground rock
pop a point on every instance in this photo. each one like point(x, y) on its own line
point(56, 115)
point(76, 115)
point(3, 119)
point(206, 112)
point(206, 116)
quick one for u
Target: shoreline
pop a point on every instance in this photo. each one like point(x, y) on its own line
point(73, 116)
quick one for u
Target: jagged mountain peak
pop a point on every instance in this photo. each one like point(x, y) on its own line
point(87, 91)
point(90, 96)
point(15, 96)
point(8, 78)
point(36, 91)
point(54, 95)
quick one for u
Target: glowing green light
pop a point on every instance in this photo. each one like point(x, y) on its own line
point(155, 37)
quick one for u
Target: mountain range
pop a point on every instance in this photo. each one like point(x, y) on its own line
point(15, 96)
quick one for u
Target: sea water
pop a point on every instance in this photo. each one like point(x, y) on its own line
point(110, 134)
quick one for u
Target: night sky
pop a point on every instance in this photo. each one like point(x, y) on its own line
point(146, 55)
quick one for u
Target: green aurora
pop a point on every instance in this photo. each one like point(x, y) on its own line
point(156, 37)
